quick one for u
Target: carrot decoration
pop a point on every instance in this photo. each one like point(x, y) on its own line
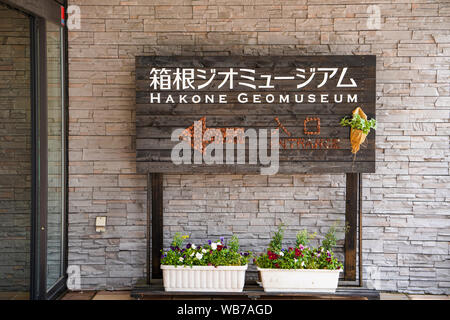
point(360, 128)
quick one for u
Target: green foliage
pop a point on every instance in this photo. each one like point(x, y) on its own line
point(302, 256)
point(356, 122)
point(213, 254)
point(234, 243)
point(277, 239)
point(303, 238)
point(330, 238)
point(178, 240)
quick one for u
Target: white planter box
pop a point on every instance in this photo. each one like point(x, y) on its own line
point(204, 278)
point(299, 280)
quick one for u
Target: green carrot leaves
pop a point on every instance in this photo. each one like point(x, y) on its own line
point(356, 122)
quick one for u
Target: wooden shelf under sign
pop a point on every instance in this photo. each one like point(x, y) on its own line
point(252, 291)
point(353, 222)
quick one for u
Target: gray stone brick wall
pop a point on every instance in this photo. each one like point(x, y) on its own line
point(406, 203)
point(206, 207)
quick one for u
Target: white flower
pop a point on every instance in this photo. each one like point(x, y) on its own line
point(194, 246)
point(198, 255)
point(181, 259)
point(192, 254)
point(295, 260)
point(303, 263)
point(214, 246)
point(281, 253)
point(204, 251)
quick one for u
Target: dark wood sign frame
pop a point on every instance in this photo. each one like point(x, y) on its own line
point(334, 162)
point(303, 148)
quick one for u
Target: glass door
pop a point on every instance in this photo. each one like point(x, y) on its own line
point(15, 154)
point(55, 154)
point(33, 209)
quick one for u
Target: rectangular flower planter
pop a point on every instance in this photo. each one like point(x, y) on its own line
point(204, 278)
point(299, 280)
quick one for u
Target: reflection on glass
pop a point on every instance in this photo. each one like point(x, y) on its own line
point(55, 156)
point(15, 154)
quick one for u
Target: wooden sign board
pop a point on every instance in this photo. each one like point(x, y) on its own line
point(302, 98)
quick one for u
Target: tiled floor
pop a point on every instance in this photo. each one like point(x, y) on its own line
point(428, 297)
point(125, 295)
point(113, 295)
point(404, 296)
point(79, 295)
point(14, 296)
point(97, 295)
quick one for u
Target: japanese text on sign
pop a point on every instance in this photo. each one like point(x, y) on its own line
point(198, 79)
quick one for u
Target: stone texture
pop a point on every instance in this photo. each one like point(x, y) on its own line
point(406, 211)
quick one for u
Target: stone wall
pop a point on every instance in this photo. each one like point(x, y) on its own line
point(406, 203)
point(206, 207)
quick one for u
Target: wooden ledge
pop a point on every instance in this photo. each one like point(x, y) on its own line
point(252, 291)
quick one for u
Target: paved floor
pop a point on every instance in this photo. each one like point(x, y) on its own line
point(125, 295)
point(97, 295)
point(14, 295)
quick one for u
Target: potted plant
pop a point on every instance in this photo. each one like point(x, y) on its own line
point(217, 266)
point(301, 268)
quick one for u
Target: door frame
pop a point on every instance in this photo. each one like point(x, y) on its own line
point(39, 13)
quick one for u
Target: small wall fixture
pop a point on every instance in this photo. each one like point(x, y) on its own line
point(100, 224)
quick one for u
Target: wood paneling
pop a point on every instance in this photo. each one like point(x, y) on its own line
point(351, 221)
point(299, 152)
point(251, 291)
point(156, 180)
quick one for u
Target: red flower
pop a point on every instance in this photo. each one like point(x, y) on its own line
point(297, 252)
point(271, 255)
point(277, 265)
point(290, 248)
point(219, 247)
